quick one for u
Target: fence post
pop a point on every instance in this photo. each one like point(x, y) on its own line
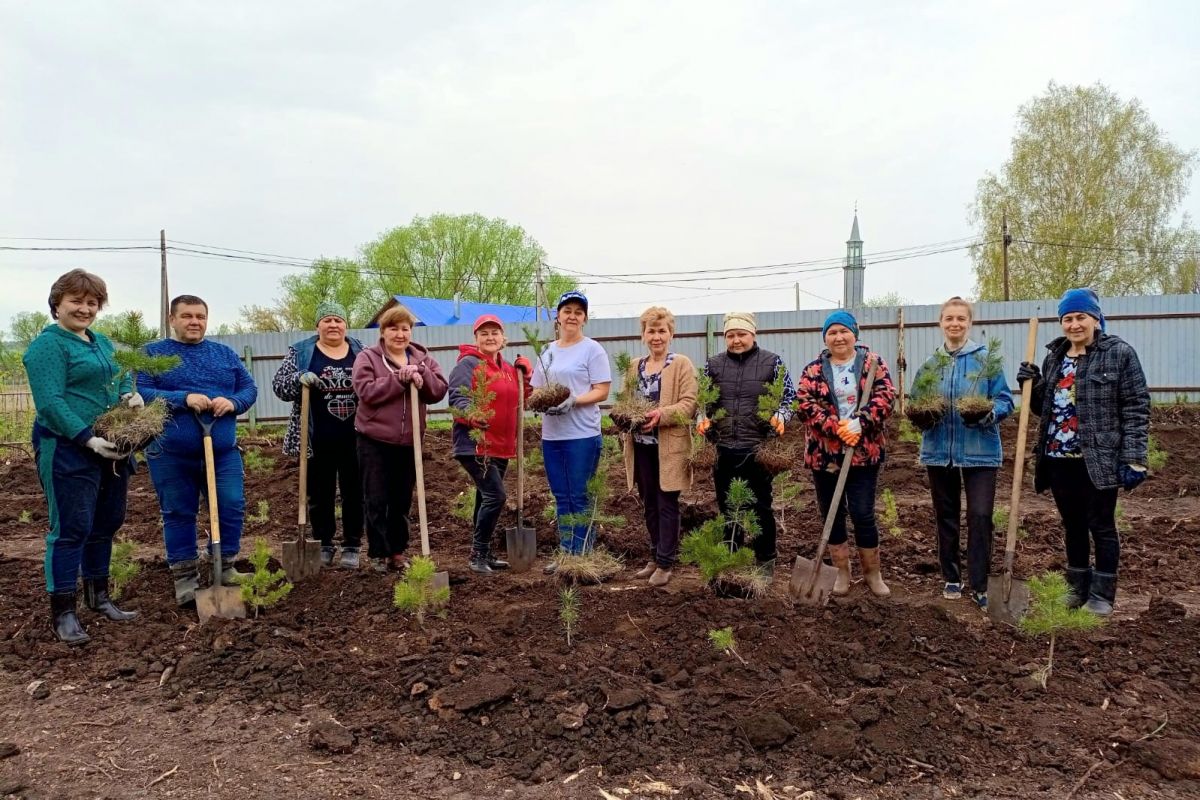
point(901, 364)
point(708, 334)
point(251, 414)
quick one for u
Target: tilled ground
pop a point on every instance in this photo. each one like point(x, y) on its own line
point(914, 697)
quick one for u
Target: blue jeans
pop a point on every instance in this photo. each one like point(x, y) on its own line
point(179, 480)
point(570, 464)
point(85, 497)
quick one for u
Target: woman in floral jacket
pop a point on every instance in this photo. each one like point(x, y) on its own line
point(827, 402)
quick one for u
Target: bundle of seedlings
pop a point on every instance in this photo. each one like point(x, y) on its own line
point(630, 409)
point(703, 454)
point(730, 570)
point(776, 454)
point(1050, 613)
point(926, 404)
point(592, 564)
point(551, 393)
point(133, 429)
point(972, 406)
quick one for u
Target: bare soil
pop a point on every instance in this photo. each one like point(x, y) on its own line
point(335, 694)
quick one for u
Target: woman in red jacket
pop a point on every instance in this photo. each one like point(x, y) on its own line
point(384, 423)
point(484, 395)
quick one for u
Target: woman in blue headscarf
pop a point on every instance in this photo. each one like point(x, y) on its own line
point(1091, 395)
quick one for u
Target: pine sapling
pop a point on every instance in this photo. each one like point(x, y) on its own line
point(722, 640)
point(1156, 459)
point(973, 406)
point(726, 567)
point(480, 397)
point(1050, 614)
point(264, 587)
point(25, 517)
point(262, 513)
point(132, 429)
point(630, 409)
point(122, 567)
point(702, 455)
point(591, 564)
point(890, 517)
point(776, 454)
point(926, 403)
point(551, 393)
point(568, 609)
point(464, 505)
point(414, 593)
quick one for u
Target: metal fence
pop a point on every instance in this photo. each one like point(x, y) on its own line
point(16, 414)
point(1165, 331)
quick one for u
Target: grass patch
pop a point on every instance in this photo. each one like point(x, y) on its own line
point(256, 462)
point(1156, 457)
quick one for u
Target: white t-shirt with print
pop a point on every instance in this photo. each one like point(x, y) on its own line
point(577, 367)
point(845, 388)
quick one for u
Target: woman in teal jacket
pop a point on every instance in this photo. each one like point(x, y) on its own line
point(72, 376)
point(960, 453)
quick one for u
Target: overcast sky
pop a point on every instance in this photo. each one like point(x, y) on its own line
point(626, 137)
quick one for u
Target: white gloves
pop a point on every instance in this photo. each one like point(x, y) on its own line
point(563, 407)
point(133, 400)
point(103, 447)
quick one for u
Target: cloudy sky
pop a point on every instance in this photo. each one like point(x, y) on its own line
point(628, 138)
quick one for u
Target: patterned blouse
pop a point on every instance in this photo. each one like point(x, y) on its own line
point(650, 387)
point(1062, 431)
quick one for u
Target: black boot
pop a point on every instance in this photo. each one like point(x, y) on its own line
point(186, 575)
point(1103, 594)
point(66, 624)
point(95, 597)
point(1080, 581)
point(496, 563)
point(479, 564)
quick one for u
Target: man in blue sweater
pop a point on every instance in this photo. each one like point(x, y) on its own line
point(211, 381)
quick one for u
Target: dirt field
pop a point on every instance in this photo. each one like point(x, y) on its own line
point(912, 697)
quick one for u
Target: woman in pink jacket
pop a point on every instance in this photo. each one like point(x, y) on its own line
point(384, 423)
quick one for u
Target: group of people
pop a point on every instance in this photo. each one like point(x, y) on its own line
point(366, 401)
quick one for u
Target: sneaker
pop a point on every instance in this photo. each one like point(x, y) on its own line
point(952, 591)
point(326, 556)
point(349, 558)
point(980, 599)
point(496, 563)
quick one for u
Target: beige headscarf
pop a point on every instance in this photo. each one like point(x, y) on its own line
point(740, 321)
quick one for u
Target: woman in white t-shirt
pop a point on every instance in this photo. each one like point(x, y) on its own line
point(571, 430)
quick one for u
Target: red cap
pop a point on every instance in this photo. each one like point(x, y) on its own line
point(485, 319)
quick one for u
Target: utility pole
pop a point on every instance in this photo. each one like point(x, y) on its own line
point(797, 295)
point(165, 299)
point(1006, 241)
point(539, 295)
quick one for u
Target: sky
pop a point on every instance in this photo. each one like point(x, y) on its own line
point(627, 138)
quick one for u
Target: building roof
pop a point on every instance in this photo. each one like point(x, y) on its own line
point(435, 311)
point(854, 234)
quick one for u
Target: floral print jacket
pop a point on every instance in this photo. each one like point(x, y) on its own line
point(817, 407)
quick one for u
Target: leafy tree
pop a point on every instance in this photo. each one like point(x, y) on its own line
point(889, 300)
point(27, 325)
point(1090, 190)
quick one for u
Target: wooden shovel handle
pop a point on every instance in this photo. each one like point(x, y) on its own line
point(1014, 503)
point(302, 513)
point(418, 463)
point(520, 447)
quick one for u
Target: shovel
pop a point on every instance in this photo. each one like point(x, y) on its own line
point(302, 558)
point(812, 581)
point(217, 600)
point(441, 580)
point(1008, 598)
point(521, 542)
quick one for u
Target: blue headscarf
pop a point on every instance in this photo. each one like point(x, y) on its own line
point(1081, 300)
point(840, 317)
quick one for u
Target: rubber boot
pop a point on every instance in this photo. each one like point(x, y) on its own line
point(869, 557)
point(839, 554)
point(1103, 595)
point(496, 563)
point(64, 621)
point(187, 581)
point(350, 558)
point(479, 564)
point(95, 597)
point(231, 576)
point(1080, 581)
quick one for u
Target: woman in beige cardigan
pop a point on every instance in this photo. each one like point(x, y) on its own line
point(656, 455)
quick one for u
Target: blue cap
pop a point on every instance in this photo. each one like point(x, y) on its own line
point(840, 317)
point(1081, 300)
point(572, 296)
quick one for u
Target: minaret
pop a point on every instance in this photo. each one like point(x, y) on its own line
point(853, 270)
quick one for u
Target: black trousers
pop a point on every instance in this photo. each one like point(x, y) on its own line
point(1085, 510)
point(488, 475)
point(858, 500)
point(334, 465)
point(388, 476)
point(742, 464)
point(661, 508)
point(946, 485)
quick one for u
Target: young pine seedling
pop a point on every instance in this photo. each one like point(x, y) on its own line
point(722, 640)
point(926, 403)
point(464, 505)
point(551, 393)
point(255, 462)
point(972, 405)
point(1049, 614)
point(122, 567)
point(25, 517)
point(630, 408)
point(568, 609)
point(132, 429)
point(890, 516)
point(1156, 459)
point(711, 546)
point(479, 410)
point(414, 593)
point(262, 513)
point(264, 587)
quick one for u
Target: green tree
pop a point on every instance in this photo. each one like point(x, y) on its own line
point(27, 325)
point(128, 328)
point(889, 300)
point(1090, 190)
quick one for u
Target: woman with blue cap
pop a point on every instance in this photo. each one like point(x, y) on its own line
point(827, 402)
point(1095, 407)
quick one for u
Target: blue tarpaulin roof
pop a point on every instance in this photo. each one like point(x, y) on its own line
point(433, 311)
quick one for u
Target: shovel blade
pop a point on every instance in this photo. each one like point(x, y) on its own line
point(220, 601)
point(1008, 599)
point(521, 544)
point(301, 558)
point(812, 582)
point(441, 580)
